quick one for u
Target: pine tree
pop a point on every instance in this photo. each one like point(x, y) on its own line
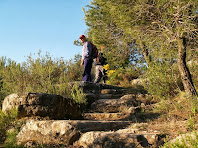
point(158, 24)
point(102, 30)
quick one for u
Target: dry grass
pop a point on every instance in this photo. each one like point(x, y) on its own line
point(177, 116)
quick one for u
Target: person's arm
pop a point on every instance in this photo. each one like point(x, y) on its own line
point(82, 62)
point(85, 53)
point(86, 50)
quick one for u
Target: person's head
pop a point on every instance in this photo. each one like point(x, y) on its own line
point(82, 38)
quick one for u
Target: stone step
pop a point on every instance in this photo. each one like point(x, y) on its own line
point(114, 91)
point(108, 116)
point(90, 87)
point(118, 140)
point(114, 105)
point(63, 131)
point(93, 97)
point(110, 96)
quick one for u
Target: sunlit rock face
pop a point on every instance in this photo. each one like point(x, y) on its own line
point(42, 105)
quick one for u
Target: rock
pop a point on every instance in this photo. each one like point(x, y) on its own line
point(108, 116)
point(138, 99)
point(43, 105)
point(53, 132)
point(115, 105)
point(137, 82)
point(91, 97)
point(90, 87)
point(110, 96)
point(117, 140)
point(113, 91)
point(96, 91)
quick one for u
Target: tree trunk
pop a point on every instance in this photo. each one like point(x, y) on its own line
point(183, 69)
point(145, 53)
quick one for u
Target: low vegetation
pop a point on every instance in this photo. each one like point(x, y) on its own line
point(157, 44)
point(79, 96)
point(8, 128)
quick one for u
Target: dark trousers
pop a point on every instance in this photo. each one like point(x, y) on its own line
point(87, 69)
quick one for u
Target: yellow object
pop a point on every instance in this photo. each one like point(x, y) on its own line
point(106, 67)
point(110, 72)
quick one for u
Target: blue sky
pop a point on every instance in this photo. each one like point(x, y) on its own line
point(27, 26)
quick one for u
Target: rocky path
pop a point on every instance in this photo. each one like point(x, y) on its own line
point(118, 104)
point(113, 120)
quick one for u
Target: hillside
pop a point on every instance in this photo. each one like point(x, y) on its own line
point(113, 117)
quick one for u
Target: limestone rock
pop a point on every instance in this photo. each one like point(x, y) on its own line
point(114, 105)
point(113, 91)
point(117, 140)
point(43, 105)
point(137, 82)
point(138, 98)
point(63, 131)
point(108, 116)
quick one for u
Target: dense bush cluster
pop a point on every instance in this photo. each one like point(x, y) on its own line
point(41, 74)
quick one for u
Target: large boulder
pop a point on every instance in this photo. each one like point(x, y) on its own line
point(42, 105)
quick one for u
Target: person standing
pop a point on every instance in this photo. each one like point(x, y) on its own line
point(86, 60)
point(100, 72)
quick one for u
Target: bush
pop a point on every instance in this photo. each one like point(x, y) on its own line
point(123, 76)
point(78, 95)
point(163, 80)
point(41, 74)
point(181, 107)
point(193, 67)
point(7, 121)
point(187, 141)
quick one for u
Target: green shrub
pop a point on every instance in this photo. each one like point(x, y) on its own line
point(193, 67)
point(123, 76)
point(11, 141)
point(78, 95)
point(178, 108)
point(7, 121)
point(188, 141)
point(163, 80)
point(192, 117)
point(42, 74)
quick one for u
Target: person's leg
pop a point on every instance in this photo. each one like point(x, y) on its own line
point(87, 70)
point(105, 75)
point(99, 74)
point(102, 76)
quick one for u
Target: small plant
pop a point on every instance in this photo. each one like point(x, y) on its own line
point(8, 121)
point(192, 119)
point(11, 139)
point(189, 140)
point(78, 95)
